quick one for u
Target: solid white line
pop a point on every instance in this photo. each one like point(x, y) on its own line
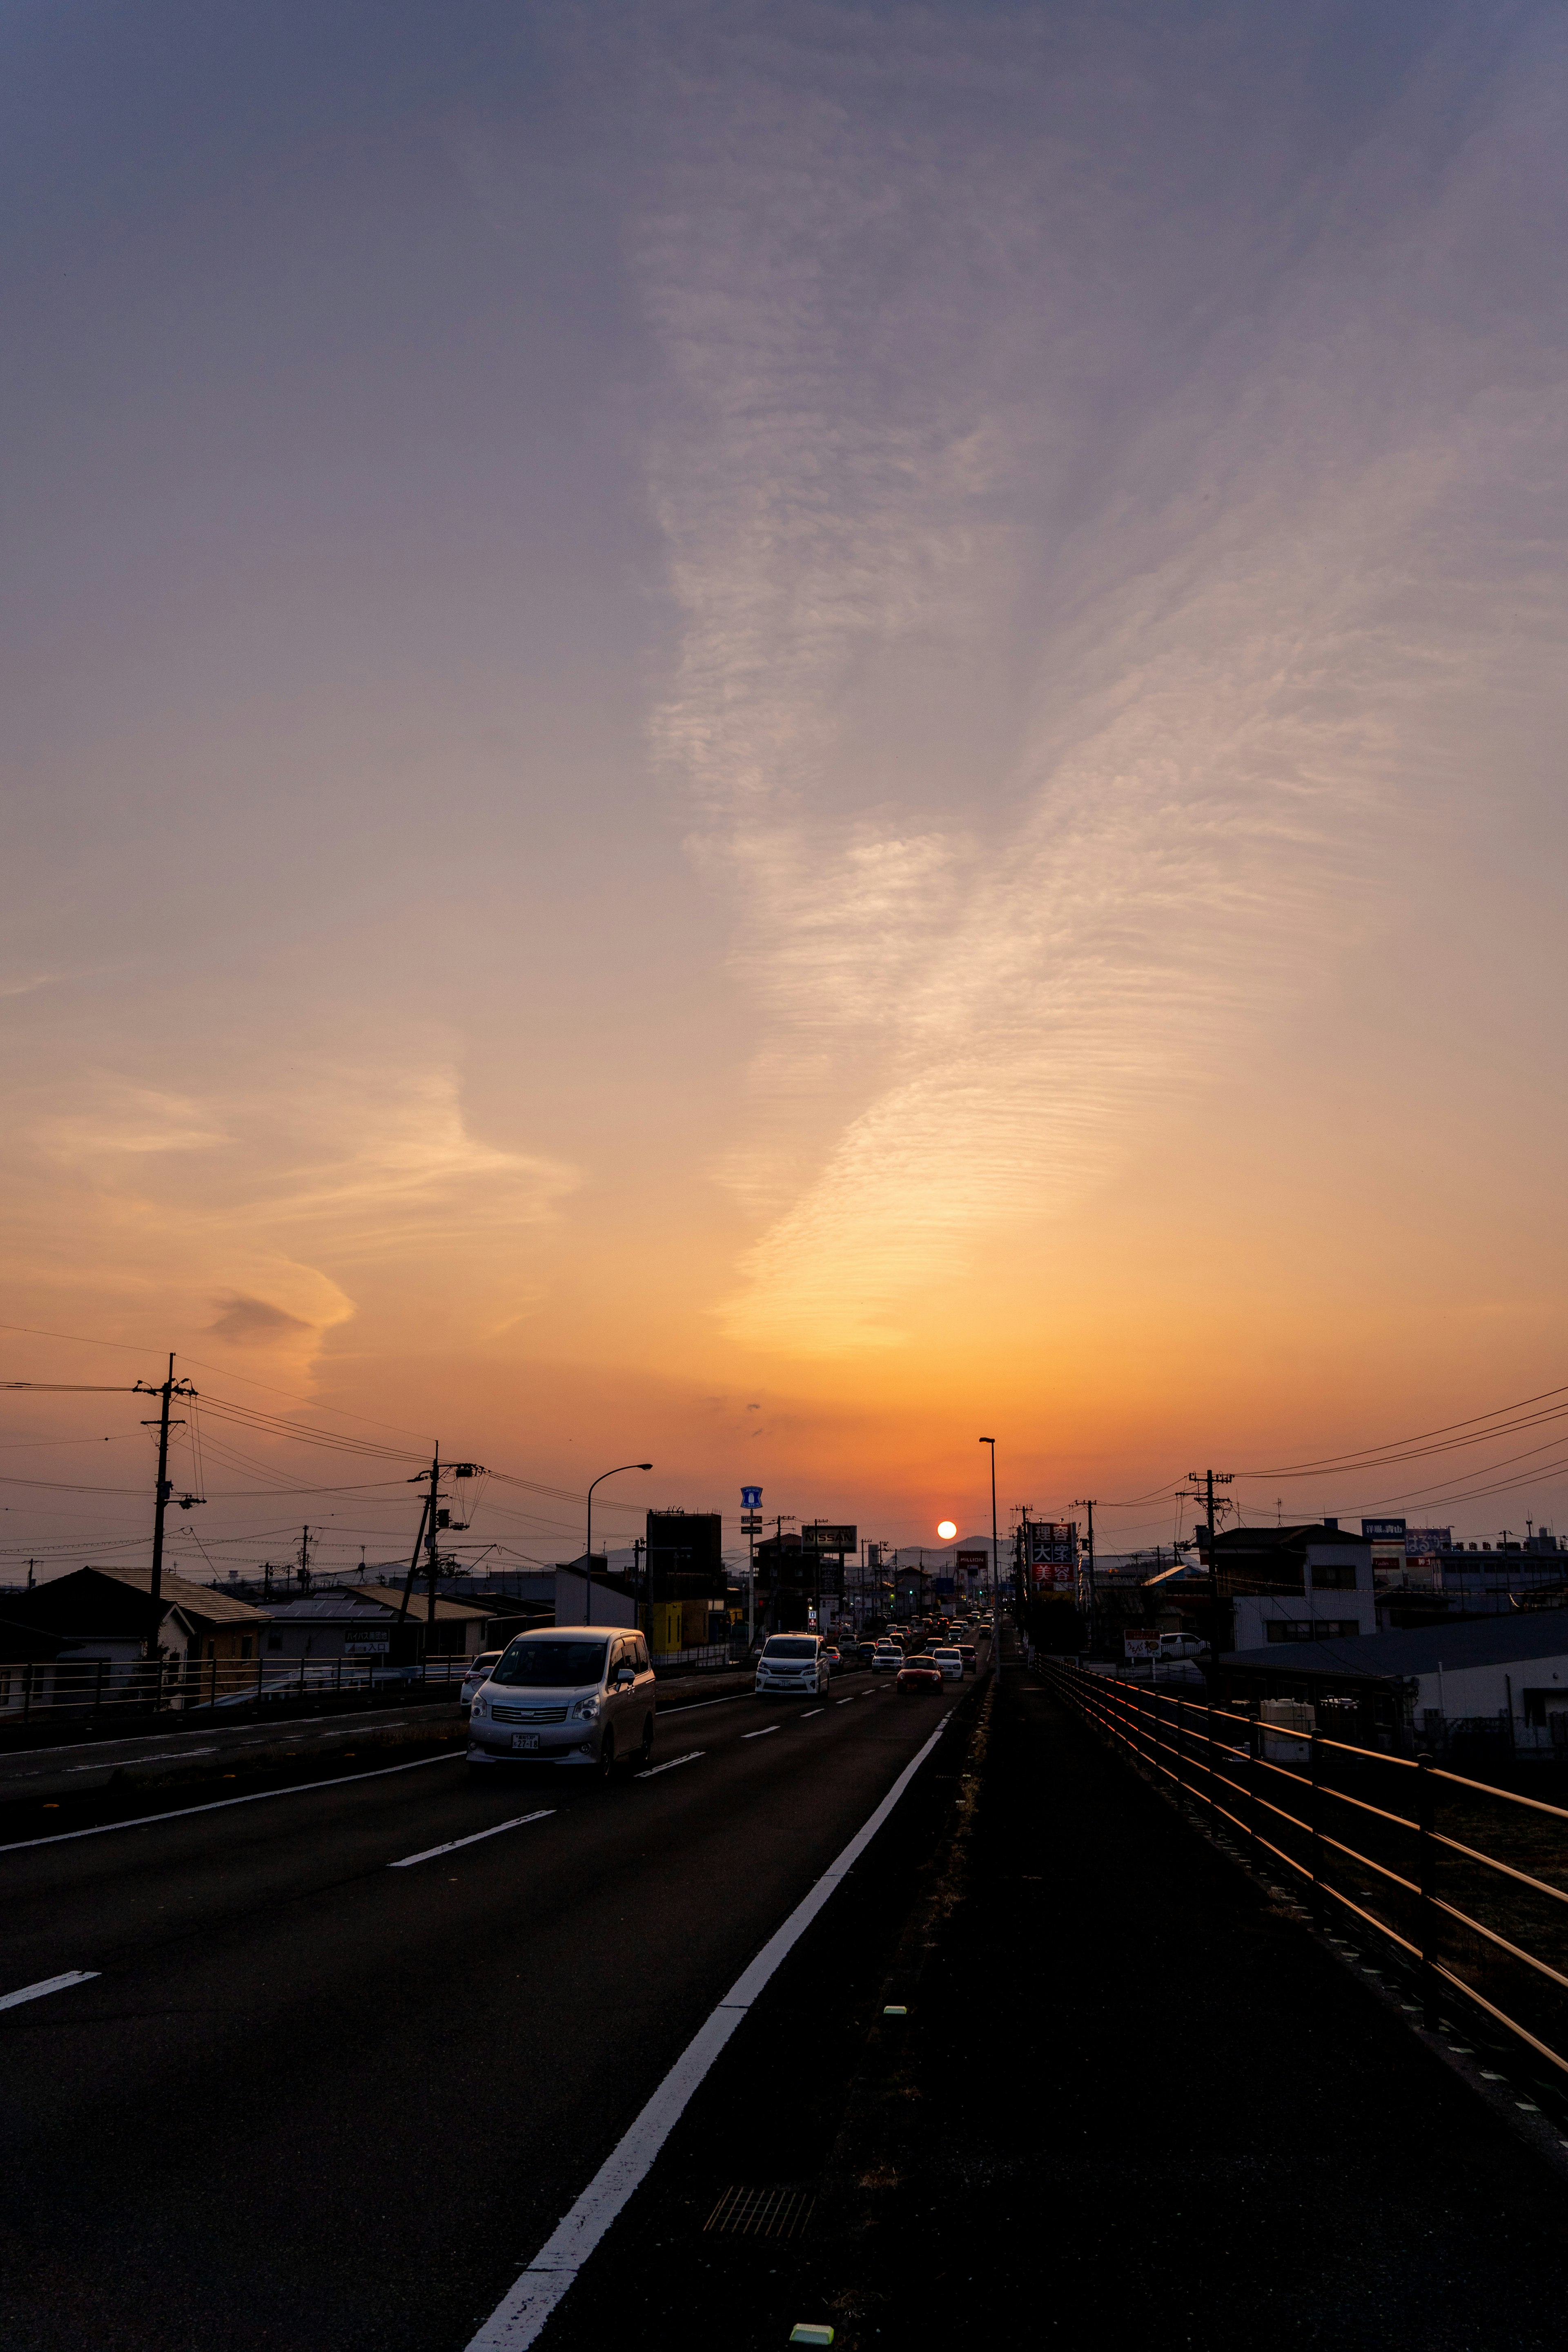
point(48, 1984)
point(452, 1845)
point(655, 1770)
point(521, 2314)
point(760, 1735)
point(164, 1756)
point(221, 1805)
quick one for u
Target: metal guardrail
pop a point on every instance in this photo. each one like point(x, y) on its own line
point(1488, 1928)
point(98, 1691)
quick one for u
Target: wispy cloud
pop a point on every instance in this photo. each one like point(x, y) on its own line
point(1088, 610)
point(294, 1199)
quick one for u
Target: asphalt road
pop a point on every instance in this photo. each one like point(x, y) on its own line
point(311, 2099)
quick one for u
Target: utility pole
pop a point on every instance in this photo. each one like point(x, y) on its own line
point(164, 1391)
point(1200, 1489)
point(1084, 1503)
point(433, 1560)
point(427, 1520)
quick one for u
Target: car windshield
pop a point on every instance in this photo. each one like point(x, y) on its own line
point(550, 1665)
point(782, 1648)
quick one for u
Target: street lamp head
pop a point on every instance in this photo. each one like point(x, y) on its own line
point(645, 1465)
point(986, 1440)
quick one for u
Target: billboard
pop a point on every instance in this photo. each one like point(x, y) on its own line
point(684, 1555)
point(1050, 1550)
point(1382, 1530)
point(820, 1537)
point(971, 1563)
point(1420, 1543)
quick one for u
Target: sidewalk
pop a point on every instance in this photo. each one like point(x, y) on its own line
point(1138, 2101)
point(1128, 2102)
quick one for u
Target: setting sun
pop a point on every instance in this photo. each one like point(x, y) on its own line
point(946, 1529)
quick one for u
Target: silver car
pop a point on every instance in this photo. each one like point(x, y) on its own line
point(793, 1663)
point(577, 1695)
point(478, 1674)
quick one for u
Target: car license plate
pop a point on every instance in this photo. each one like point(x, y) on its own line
point(525, 1739)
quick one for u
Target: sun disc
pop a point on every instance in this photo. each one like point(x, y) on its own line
point(946, 1528)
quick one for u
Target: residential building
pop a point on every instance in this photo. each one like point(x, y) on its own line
point(1290, 1584)
point(108, 1612)
point(1503, 1681)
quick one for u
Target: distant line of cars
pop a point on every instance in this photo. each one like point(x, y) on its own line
point(582, 1695)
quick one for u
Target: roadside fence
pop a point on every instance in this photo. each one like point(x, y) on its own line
point(1468, 1883)
point(93, 1692)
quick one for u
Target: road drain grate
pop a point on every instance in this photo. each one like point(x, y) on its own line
point(761, 2212)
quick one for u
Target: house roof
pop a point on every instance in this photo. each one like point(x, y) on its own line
point(1525, 1635)
point(197, 1602)
point(336, 1607)
point(390, 1596)
point(1290, 1539)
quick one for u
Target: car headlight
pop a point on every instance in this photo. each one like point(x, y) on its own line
point(481, 1705)
point(585, 1711)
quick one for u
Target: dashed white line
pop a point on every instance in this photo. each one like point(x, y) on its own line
point(655, 1770)
point(520, 2315)
point(48, 1984)
point(809, 1713)
point(452, 1845)
point(760, 1735)
point(848, 1702)
point(221, 1805)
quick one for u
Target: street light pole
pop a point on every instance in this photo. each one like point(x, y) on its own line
point(995, 1571)
point(588, 1555)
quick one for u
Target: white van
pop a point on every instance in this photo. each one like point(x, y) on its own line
point(566, 1695)
point(793, 1663)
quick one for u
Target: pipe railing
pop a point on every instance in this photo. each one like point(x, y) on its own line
point(1488, 1928)
point(102, 1690)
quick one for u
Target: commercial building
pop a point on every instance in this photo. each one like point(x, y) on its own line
point(687, 1589)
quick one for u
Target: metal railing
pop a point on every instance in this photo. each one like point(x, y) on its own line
point(1485, 1927)
point(97, 1692)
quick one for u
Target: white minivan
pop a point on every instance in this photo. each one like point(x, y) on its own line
point(566, 1695)
point(792, 1662)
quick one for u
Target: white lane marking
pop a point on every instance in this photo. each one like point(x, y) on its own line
point(760, 1735)
point(221, 1805)
point(260, 1731)
point(655, 1770)
point(521, 2313)
point(690, 1705)
point(167, 1755)
point(849, 1701)
point(809, 1713)
point(521, 1821)
point(48, 1984)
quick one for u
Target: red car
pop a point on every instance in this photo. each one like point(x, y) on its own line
point(920, 1672)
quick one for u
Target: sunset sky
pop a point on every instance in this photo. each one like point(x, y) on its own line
point(759, 736)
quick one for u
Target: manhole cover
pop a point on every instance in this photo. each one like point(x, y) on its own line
point(761, 2212)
